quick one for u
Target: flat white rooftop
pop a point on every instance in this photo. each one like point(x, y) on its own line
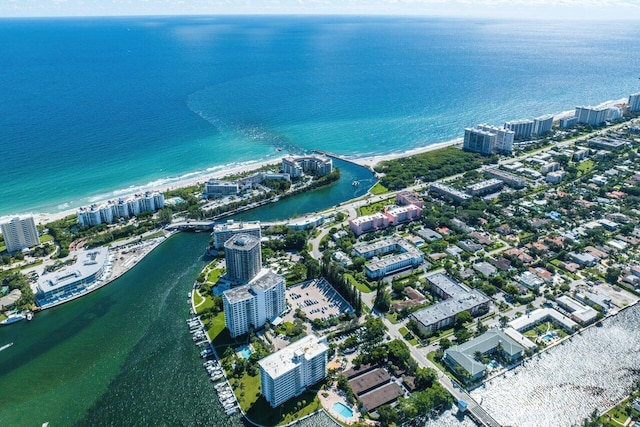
point(285, 360)
point(88, 263)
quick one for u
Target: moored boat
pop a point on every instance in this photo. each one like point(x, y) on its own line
point(13, 318)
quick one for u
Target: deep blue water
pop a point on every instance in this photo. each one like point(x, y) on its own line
point(92, 106)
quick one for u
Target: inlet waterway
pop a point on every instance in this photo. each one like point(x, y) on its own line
point(122, 355)
point(354, 182)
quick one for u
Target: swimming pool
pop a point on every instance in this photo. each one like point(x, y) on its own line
point(342, 410)
point(245, 352)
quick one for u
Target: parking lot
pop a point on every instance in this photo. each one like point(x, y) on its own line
point(317, 299)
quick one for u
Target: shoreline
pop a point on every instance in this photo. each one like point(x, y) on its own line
point(220, 171)
point(121, 271)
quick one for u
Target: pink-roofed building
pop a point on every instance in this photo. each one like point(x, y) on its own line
point(401, 214)
point(409, 198)
point(363, 224)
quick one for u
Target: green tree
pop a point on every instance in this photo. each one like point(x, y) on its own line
point(165, 216)
point(612, 275)
point(462, 318)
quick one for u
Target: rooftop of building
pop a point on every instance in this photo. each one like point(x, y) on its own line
point(264, 280)
point(450, 307)
point(88, 263)
point(242, 242)
point(232, 225)
point(463, 354)
point(369, 380)
point(447, 284)
point(539, 315)
point(283, 361)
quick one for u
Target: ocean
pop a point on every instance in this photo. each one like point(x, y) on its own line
point(93, 108)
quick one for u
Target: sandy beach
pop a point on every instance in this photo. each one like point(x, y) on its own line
point(44, 218)
point(369, 162)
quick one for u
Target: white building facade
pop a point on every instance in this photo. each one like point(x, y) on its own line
point(243, 257)
point(251, 305)
point(20, 233)
point(288, 372)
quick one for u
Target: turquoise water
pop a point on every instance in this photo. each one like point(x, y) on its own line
point(342, 410)
point(119, 356)
point(245, 352)
point(318, 199)
point(96, 107)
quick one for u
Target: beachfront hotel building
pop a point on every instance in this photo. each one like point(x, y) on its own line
point(542, 124)
point(243, 257)
point(90, 267)
point(594, 116)
point(487, 139)
point(20, 233)
point(223, 232)
point(251, 305)
point(523, 128)
point(288, 372)
point(314, 164)
point(108, 213)
point(634, 102)
point(214, 187)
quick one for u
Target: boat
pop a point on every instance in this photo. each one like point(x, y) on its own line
point(29, 316)
point(355, 183)
point(13, 318)
point(6, 346)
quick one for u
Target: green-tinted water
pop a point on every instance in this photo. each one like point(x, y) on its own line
point(122, 355)
point(119, 356)
point(318, 199)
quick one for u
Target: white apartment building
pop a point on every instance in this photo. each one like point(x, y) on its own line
point(634, 102)
point(251, 305)
point(223, 232)
point(243, 257)
point(20, 233)
point(298, 166)
point(288, 372)
point(108, 212)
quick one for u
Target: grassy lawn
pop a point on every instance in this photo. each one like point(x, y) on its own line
point(391, 317)
point(375, 207)
point(208, 302)
point(154, 235)
point(618, 415)
point(214, 275)
point(197, 298)
point(585, 167)
point(216, 330)
point(43, 239)
point(378, 189)
point(247, 390)
point(263, 414)
point(3, 248)
point(360, 286)
point(404, 331)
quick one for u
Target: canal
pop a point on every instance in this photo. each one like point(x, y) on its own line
point(122, 355)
